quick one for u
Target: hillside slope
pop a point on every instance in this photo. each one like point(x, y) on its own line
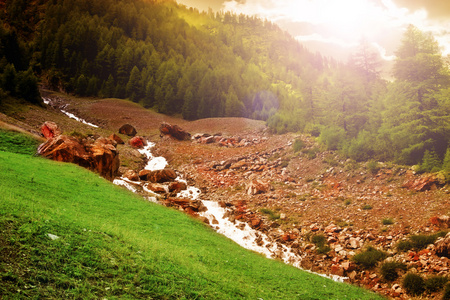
point(65, 232)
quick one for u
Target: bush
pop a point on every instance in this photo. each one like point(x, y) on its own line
point(320, 241)
point(369, 258)
point(373, 167)
point(430, 162)
point(446, 295)
point(435, 283)
point(298, 145)
point(413, 284)
point(332, 137)
point(387, 221)
point(419, 241)
point(389, 270)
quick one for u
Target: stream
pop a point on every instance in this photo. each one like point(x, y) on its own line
point(239, 232)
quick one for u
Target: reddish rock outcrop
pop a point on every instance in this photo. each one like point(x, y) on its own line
point(158, 176)
point(50, 130)
point(127, 129)
point(424, 183)
point(98, 155)
point(257, 187)
point(174, 131)
point(443, 246)
point(116, 138)
point(137, 142)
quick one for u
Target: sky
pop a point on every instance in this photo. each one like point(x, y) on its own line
point(335, 27)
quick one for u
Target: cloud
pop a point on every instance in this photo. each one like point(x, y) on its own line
point(344, 22)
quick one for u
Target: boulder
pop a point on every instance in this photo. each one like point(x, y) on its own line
point(99, 155)
point(442, 246)
point(160, 176)
point(177, 186)
point(156, 187)
point(116, 138)
point(50, 130)
point(255, 187)
point(143, 174)
point(131, 175)
point(421, 184)
point(105, 158)
point(174, 131)
point(127, 129)
point(137, 142)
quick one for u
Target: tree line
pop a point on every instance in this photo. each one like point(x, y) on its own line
point(195, 64)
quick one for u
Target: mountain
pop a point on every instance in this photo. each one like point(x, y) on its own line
point(180, 61)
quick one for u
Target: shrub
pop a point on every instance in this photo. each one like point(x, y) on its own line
point(387, 221)
point(419, 241)
point(298, 145)
point(435, 283)
point(413, 284)
point(367, 207)
point(446, 295)
point(389, 270)
point(404, 245)
point(373, 166)
point(332, 137)
point(430, 162)
point(320, 241)
point(369, 258)
point(270, 213)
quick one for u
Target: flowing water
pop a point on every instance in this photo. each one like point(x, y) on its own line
point(239, 232)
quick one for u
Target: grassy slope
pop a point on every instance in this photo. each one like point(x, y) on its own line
point(113, 244)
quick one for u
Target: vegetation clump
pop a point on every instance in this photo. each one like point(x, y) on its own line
point(389, 270)
point(414, 284)
point(369, 258)
point(419, 241)
point(321, 243)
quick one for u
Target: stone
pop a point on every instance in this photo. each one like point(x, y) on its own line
point(116, 138)
point(160, 176)
point(337, 270)
point(174, 131)
point(100, 155)
point(131, 175)
point(50, 130)
point(354, 243)
point(137, 142)
point(442, 246)
point(156, 187)
point(127, 129)
point(177, 186)
point(257, 187)
point(143, 174)
point(422, 184)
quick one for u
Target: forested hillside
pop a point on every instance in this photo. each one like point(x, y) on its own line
point(180, 61)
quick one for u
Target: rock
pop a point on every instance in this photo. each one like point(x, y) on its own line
point(424, 183)
point(177, 186)
point(156, 187)
point(116, 138)
point(257, 187)
point(143, 174)
point(442, 246)
point(127, 129)
point(137, 142)
point(131, 175)
point(354, 243)
point(160, 176)
point(207, 140)
point(174, 131)
point(100, 156)
point(337, 270)
point(50, 130)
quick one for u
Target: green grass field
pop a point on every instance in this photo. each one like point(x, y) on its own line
point(114, 245)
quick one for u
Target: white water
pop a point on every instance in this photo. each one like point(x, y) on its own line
point(245, 237)
point(70, 115)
